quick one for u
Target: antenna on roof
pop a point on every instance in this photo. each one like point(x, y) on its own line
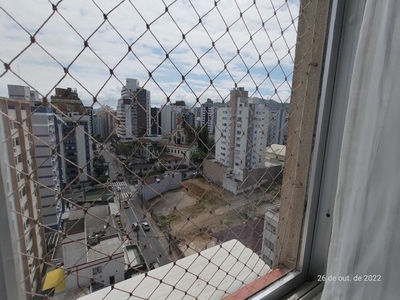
point(19, 77)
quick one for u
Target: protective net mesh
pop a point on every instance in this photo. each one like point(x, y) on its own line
point(144, 143)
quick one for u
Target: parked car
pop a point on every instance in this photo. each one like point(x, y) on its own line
point(145, 226)
point(135, 226)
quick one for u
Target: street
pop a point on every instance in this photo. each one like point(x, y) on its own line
point(152, 249)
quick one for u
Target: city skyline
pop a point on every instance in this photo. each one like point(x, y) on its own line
point(209, 41)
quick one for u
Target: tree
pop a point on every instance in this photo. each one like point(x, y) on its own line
point(202, 138)
point(198, 157)
point(211, 146)
point(99, 166)
point(190, 132)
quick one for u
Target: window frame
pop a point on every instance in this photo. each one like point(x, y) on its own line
point(328, 135)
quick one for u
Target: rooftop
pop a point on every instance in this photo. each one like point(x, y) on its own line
point(172, 158)
point(73, 226)
point(152, 179)
point(276, 149)
point(134, 256)
point(106, 248)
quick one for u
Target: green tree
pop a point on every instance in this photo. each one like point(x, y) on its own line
point(198, 157)
point(99, 166)
point(190, 132)
point(202, 138)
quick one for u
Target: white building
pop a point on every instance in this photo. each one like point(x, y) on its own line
point(241, 133)
point(270, 234)
point(171, 116)
point(24, 93)
point(104, 262)
point(22, 239)
point(46, 137)
point(133, 112)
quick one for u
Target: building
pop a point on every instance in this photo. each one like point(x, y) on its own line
point(171, 116)
point(241, 138)
point(184, 152)
point(46, 138)
point(155, 128)
point(75, 124)
point(154, 186)
point(276, 153)
point(22, 237)
point(104, 262)
point(208, 115)
point(277, 126)
point(103, 122)
point(67, 100)
point(133, 111)
point(76, 149)
point(24, 93)
point(269, 234)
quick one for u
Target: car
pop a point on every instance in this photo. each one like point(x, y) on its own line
point(126, 204)
point(120, 177)
point(118, 189)
point(135, 226)
point(115, 180)
point(154, 265)
point(145, 226)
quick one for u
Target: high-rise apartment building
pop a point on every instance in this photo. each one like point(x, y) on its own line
point(22, 236)
point(45, 138)
point(208, 115)
point(133, 111)
point(155, 121)
point(241, 133)
point(76, 149)
point(171, 116)
point(103, 122)
point(277, 126)
point(75, 123)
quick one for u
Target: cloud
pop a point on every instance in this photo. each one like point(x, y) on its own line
point(236, 42)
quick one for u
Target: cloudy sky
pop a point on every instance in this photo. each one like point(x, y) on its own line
point(166, 40)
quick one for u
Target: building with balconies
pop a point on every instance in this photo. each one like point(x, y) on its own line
point(20, 202)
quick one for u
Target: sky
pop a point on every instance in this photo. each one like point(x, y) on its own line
point(172, 53)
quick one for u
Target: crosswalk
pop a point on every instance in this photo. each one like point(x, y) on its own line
point(125, 195)
point(118, 183)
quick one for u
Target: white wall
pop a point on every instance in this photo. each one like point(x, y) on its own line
point(153, 190)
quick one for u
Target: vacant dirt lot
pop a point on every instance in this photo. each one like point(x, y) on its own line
point(200, 209)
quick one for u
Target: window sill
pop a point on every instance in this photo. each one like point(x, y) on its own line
point(258, 285)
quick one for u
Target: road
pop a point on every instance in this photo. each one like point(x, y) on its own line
point(152, 249)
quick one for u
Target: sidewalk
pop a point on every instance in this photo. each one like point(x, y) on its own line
point(161, 237)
